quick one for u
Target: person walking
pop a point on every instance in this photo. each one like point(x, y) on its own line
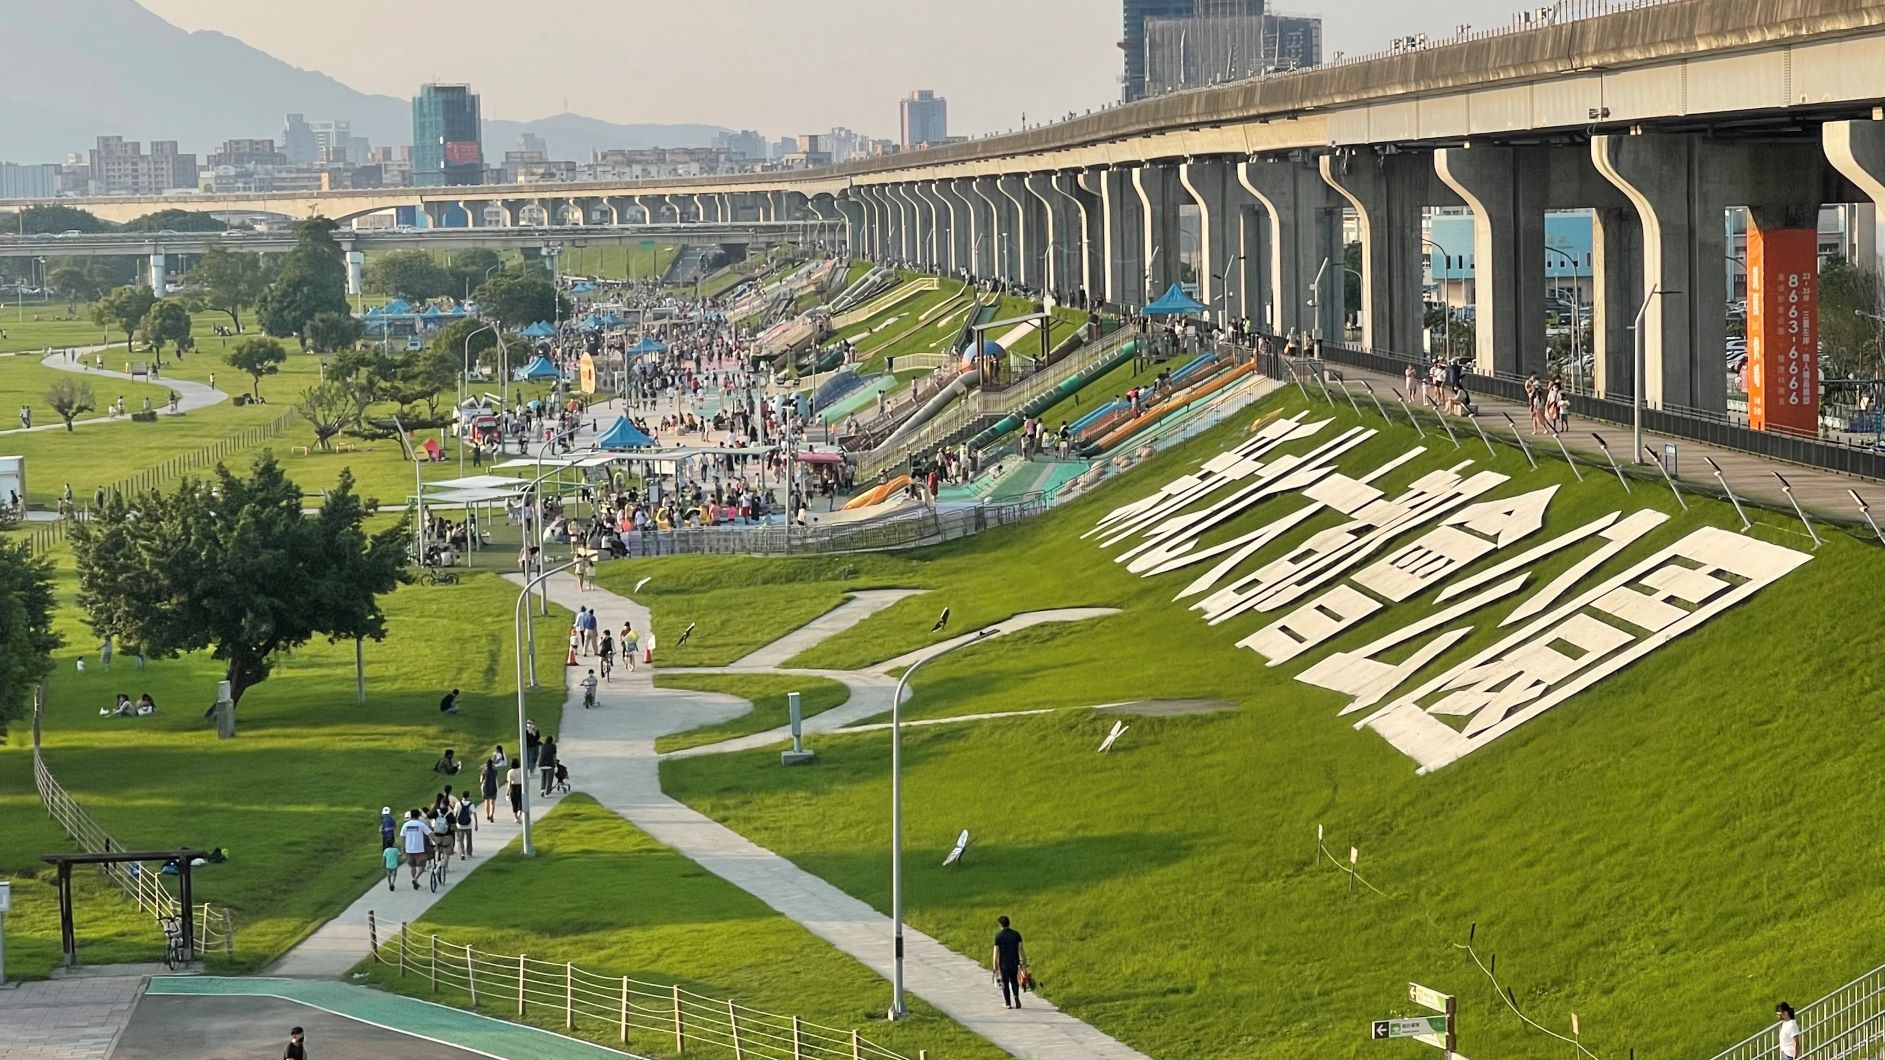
point(514, 786)
point(464, 823)
point(487, 786)
point(417, 838)
point(1006, 961)
point(1788, 1044)
point(546, 765)
point(297, 1045)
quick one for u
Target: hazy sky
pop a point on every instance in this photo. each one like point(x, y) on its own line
point(780, 66)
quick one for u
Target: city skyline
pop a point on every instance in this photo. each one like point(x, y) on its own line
point(1054, 57)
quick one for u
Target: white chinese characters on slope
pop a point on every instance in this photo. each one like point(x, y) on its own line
point(1565, 641)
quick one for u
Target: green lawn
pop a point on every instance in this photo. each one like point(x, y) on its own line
point(665, 921)
point(295, 797)
point(767, 694)
point(24, 381)
point(734, 608)
point(624, 262)
point(1654, 855)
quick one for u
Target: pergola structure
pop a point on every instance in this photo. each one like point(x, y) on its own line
point(68, 940)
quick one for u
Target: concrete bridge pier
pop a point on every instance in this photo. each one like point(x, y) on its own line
point(878, 224)
point(435, 213)
point(1156, 187)
point(1122, 233)
point(960, 234)
point(852, 212)
point(941, 249)
point(1388, 193)
point(1856, 149)
point(1006, 238)
point(1221, 201)
point(987, 236)
point(1026, 248)
point(356, 269)
point(1506, 189)
point(1301, 232)
point(1082, 186)
point(157, 274)
point(1060, 230)
point(923, 215)
point(902, 224)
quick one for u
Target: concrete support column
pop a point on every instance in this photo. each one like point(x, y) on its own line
point(159, 286)
point(1386, 192)
point(1857, 150)
point(939, 245)
point(1221, 201)
point(1505, 187)
point(1122, 234)
point(1089, 271)
point(1005, 232)
point(435, 213)
point(1157, 190)
point(853, 213)
point(960, 235)
point(1302, 231)
point(1683, 247)
point(356, 269)
point(1060, 231)
point(902, 224)
point(923, 214)
point(987, 227)
point(1617, 257)
point(1025, 246)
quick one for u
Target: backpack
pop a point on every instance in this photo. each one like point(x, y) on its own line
point(464, 814)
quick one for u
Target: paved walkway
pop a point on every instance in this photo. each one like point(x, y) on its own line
point(862, 605)
point(65, 1019)
point(194, 395)
point(1749, 475)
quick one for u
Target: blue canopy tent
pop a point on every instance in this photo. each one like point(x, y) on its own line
point(1174, 302)
point(431, 313)
point(591, 323)
point(648, 344)
point(396, 306)
point(539, 368)
point(623, 435)
point(613, 321)
point(539, 330)
point(582, 288)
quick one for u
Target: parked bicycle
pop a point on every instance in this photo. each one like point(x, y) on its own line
point(437, 576)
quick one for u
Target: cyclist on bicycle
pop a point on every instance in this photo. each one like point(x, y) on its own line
point(606, 652)
point(416, 838)
point(443, 842)
point(589, 690)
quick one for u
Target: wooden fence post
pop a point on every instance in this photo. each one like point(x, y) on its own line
point(625, 1010)
point(520, 984)
point(798, 1044)
point(373, 934)
point(733, 1021)
point(435, 963)
point(471, 978)
point(404, 939)
point(680, 1037)
point(857, 1046)
point(569, 996)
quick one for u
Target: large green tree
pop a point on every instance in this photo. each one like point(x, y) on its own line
point(313, 280)
point(258, 355)
point(166, 321)
point(52, 220)
point(229, 281)
point(519, 300)
point(1852, 336)
point(328, 407)
point(124, 309)
point(472, 267)
point(232, 565)
point(175, 220)
point(26, 637)
point(409, 274)
point(68, 397)
point(331, 332)
point(71, 283)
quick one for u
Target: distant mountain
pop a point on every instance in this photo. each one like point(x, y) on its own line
point(78, 69)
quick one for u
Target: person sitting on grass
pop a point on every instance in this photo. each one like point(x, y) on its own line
point(449, 704)
point(449, 764)
point(123, 708)
point(146, 705)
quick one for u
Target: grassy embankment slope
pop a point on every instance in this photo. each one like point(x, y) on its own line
point(1655, 854)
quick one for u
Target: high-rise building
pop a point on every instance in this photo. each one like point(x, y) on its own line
point(297, 140)
point(1132, 42)
point(28, 182)
point(746, 144)
point(120, 167)
point(531, 143)
point(447, 141)
point(1183, 53)
point(925, 118)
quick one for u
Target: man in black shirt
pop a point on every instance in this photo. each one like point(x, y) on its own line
point(1006, 962)
point(297, 1046)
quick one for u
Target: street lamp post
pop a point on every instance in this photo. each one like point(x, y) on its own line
point(1446, 300)
point(465, 381)
point(1636, 391)
point(898, 1009)
point(517, 640)
point(1577, 311)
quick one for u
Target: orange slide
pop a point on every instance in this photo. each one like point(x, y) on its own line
point(877, 494)
point(1177, 401)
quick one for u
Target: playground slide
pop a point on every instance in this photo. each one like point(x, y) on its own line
point(1046, 401)
point(960, 385)
point(1177, 401)
point(877, 494)
point(886, 301)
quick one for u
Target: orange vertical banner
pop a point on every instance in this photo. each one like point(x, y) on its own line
point(1783, 329)
point(587, 374)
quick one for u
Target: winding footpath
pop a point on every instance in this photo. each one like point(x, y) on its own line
point(612, 749)
point(193, 396)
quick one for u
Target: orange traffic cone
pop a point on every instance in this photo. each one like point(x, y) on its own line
point(647, 656)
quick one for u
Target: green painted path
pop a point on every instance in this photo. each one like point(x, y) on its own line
point(421, 1019)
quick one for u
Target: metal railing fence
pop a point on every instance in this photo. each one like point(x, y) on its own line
point(1846, 1024)
point(632, 1011)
